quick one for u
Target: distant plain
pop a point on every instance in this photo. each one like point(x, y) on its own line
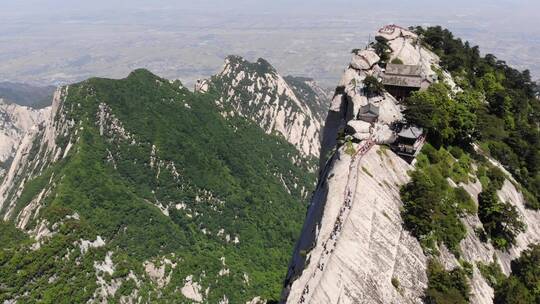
point(58, 42)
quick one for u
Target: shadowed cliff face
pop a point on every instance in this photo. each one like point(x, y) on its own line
point(353, 245)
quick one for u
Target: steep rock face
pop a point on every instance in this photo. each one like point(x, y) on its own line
point(15, 122)
point(256, 91)
point(36, 150)
point(353, 243)
point(355, 260)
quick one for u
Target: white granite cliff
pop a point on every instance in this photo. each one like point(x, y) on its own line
point(35, 151)
point(353, 242)
point(15, 121)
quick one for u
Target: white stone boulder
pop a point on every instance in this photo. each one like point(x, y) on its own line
point(358, 102)
point(392, 31)
point(361, 136)
point(389, 110)
point(192, 290)
point(201, 86)
point(364, 59)
point(359, 126)
point(350, 78)
point(382, 134)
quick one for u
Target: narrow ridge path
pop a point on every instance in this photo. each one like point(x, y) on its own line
point(343, 215)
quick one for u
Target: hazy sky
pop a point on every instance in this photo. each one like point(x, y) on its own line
point(513, 9)
point(55, 41)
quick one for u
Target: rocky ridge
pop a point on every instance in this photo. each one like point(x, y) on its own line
point(292, 107)
point(36, 149)
point(134, 180)
point(353, 244)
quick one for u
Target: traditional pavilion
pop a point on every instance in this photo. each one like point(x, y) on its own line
point(409, 142)
point(401, 80)
point(369, 113)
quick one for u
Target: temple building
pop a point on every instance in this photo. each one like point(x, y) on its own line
point(401, 80)
point(369, 113)
point(410, 140)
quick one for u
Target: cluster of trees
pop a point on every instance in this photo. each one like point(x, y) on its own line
point(382, 49)
point(446, 287)
point(432, 208)
point(449, 118)
point(372, 86)
point(522, 284)
point(501, 221)
point(497, 107)
point(10, 236)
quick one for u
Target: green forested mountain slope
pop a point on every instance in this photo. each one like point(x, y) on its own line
point(159, 199)
point(495, 107)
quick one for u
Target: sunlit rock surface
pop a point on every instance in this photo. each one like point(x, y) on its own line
point(353, 242)
point(15, 122)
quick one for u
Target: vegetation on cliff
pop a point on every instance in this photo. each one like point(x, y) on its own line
point(446, 287)
point(431, 207)
point(522, 284)
point(497, 108)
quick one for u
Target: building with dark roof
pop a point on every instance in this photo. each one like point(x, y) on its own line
point(401, 80)
point(409, 142)
point(369, 113)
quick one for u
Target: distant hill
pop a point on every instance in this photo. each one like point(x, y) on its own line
point(27, 95)
point(292, 107)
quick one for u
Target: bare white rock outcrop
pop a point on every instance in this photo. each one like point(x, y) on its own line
point(256, 91)
point(15, 122)
point(353, 243)
point(36, 150)
point(192, 289)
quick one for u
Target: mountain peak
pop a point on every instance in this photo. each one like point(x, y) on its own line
point(142, 73)
point(255, 90)
point(361, 242)
point(265, 64)
point(133, 178)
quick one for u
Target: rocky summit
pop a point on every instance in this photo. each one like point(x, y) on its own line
point(355, 246)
